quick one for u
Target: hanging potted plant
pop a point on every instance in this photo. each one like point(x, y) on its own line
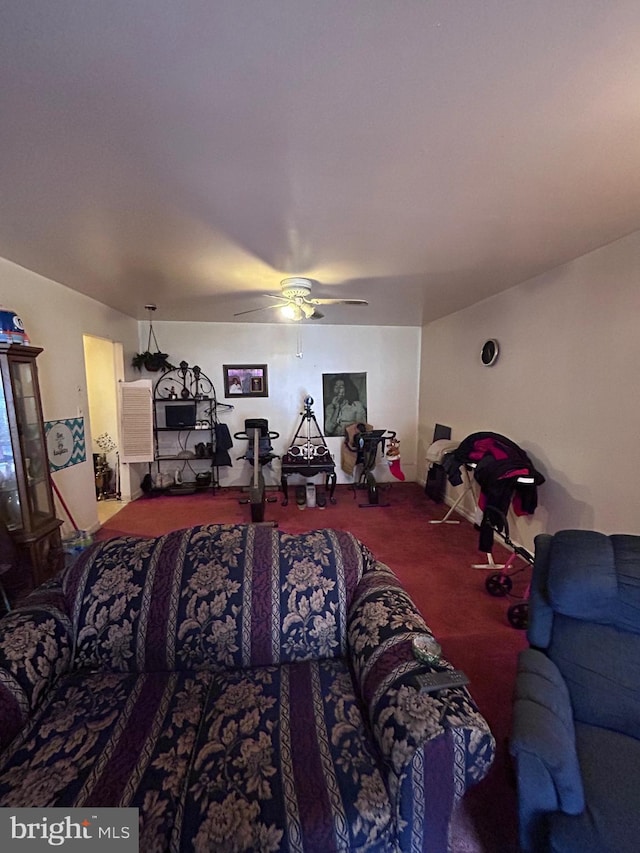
point(152, 361)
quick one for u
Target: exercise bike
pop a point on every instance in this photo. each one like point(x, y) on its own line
point(259, 453)
point(366, 445)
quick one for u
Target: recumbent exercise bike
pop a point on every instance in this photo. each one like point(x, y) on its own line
point(366, 445)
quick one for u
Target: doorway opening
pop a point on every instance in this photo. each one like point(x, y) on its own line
point(104, 368)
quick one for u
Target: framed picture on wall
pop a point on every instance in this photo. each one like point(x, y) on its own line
point(245, 380)
point(344, 400)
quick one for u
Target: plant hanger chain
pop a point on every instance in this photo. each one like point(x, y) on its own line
point(152, 334)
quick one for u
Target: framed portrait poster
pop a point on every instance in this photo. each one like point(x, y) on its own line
point(344, 400)
point(245, 380)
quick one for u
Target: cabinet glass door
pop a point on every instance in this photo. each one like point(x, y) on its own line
point(36, 463)
point(10, 510)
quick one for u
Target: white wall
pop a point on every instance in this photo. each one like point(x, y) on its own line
point(565, 387)
point(390, 358)
point(56, 318)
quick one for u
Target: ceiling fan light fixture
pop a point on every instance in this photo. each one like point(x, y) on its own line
point(295, 287)
point(291, 312)
point(295, 293)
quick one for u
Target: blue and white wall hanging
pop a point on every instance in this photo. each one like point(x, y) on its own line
point(65, 443)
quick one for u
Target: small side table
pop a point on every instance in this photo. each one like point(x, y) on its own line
point(308, 468)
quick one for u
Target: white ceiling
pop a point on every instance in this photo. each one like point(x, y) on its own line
point(421, 154)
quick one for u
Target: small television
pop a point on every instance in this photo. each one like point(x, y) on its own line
point(178, 415)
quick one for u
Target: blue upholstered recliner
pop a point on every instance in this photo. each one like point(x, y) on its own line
point(576, 724)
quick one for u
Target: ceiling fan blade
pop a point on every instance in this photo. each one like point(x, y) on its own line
point(317, 315)
point(338, 302)
point(253, 310)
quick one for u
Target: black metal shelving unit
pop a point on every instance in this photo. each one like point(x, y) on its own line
point(185, 415)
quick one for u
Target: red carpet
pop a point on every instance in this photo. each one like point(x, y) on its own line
point(434, 564)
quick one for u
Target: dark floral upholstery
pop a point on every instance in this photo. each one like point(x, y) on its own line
point(35, 649)
point(213, 596)
point(436, 745)
point(283, 762)
point(246, 689)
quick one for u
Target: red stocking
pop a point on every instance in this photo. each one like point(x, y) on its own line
point(396, 470)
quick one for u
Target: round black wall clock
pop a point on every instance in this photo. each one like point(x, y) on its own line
point(490, 351)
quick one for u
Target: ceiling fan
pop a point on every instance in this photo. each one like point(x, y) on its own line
point(296, 303)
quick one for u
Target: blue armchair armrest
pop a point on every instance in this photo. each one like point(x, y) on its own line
point(543, 745)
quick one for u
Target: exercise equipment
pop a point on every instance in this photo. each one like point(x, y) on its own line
point(366, 444)
point(500, 584)
point(259, 453)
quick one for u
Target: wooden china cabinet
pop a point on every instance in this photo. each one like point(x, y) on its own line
point(26, 498)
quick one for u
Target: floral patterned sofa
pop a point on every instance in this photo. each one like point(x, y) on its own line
point(246, 689)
